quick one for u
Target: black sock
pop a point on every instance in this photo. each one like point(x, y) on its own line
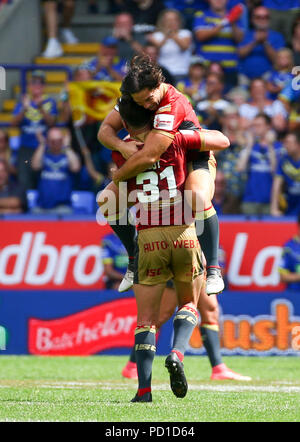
point(209, 239)
point(145, 349)
point(211, 342)
point(184, 322)
point(126, 232)
point(132, 357)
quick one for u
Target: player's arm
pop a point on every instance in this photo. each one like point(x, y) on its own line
point(155, 145)
point(108, 135)
point(213, 140)
point(287, 277)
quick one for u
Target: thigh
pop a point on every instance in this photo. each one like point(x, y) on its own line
point(152, 257)
point(186, 261)
point(201, 183)
point(148, 303)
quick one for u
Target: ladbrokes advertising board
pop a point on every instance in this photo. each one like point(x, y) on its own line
point(66, 254)
point(53, 301)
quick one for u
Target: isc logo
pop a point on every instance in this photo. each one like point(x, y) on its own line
point(154, 272)
point(2, 79)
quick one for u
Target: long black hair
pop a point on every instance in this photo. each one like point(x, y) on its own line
point(143, 73)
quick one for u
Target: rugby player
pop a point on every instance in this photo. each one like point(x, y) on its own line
point(176, 255)
point(208, 306)
point(144, 82)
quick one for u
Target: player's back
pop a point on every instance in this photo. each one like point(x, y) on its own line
point(159, 191)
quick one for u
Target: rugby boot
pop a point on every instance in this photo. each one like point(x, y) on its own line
point(178, 381)
point(130, 370)
point(214, 281)
point(146, 397)
point(221, 373)
point(127, 281)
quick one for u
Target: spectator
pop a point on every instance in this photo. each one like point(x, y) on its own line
point(6, 154)
point(53, 47)
point(12, 196)
point(295, 42)
point(287, 178)
point(187, 8)
point(114, 259)
point(57, 162)
point(282, 15)
point(93, 7)
point(209, 110)
point(194, 84)
point(152, 50)
point(259, 102)
point(217, 37)
point(215, 68)
point(107, 66)
point(34, 113)
point(174, 43)
point(238, 96)
point(228, 159)
point(129, 42)
point(144, 12)
point(220, 198)
point(281, 75)
point(259, 160)
point(289, 266)
point(258, 49)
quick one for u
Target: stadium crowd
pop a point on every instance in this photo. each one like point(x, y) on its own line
point(238, 61)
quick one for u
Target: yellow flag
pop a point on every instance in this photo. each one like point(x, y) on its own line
point(92, 100)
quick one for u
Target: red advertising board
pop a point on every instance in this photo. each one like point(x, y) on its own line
point(253, 251)
point(98, 328)
point(67, 255)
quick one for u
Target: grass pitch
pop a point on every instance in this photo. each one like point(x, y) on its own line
point(82, 389)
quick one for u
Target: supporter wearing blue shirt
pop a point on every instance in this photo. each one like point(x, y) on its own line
point(258, 48)
point(107, 66)
point(291, 93)
point(56, 162)
point(287, 179)
point(280, 75)
point(289, 266)
point(217, 37)
point(35, 113)
point(259, 160)
point(283, 14)
point(114, 259)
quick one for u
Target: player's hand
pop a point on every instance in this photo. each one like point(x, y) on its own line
point(129, 148)
point(114, 175)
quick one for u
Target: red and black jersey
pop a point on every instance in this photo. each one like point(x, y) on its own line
point(159, 191)
point(175, 113)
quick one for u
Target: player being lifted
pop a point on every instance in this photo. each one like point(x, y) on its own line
point(136, 119)
point(172, 110)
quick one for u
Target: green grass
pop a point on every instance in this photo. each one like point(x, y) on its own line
point(71, 389)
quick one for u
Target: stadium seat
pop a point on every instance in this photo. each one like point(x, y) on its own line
point(32, 196)
point(83, 202)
